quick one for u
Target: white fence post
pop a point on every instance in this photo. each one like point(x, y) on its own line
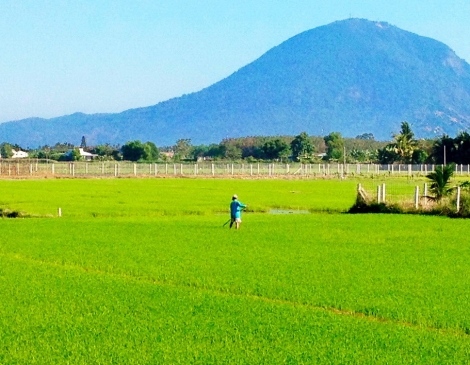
point(416, 197)
point(383, 193)
point(458, 199)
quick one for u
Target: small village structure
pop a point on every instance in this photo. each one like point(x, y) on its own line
point(19, 154)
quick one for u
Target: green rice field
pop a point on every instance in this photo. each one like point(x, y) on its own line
point(142, 271)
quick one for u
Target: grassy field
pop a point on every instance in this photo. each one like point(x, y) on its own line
point(140, 271)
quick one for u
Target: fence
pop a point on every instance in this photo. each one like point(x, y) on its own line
point(407, 194)
point(23, 168)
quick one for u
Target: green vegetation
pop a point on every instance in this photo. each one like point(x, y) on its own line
point(440, 181)
point(138, 151)
point(404, 149)
point(302, 148)
point(334, 146)
point(141, 271)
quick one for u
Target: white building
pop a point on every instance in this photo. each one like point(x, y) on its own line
point(87, 155)
point(19, 154)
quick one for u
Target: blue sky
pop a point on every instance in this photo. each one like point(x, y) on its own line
point(58, 57)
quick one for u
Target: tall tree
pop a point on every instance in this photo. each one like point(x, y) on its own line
point(230, 150)
point(6, 150)
point(151, 151)
point(105, 151)
point(182, 149)
point(302, 147)
point(134, 151)
point(405, 143)
point(334, 146)
point(462, 144)
point(387, 155)
point(444, 149)
point(275, 149)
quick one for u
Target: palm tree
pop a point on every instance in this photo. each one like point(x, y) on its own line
point(440, 181)
point(405, 143)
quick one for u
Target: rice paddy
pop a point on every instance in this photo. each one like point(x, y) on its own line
point(140, 271)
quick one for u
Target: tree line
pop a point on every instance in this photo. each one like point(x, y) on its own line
point(404, 148)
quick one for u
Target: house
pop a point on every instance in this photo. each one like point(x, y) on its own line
point(19, 154)
point(87, 155)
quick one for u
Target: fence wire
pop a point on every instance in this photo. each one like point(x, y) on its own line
point(29, 167)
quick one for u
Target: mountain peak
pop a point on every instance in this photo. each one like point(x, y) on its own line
point(353, 76)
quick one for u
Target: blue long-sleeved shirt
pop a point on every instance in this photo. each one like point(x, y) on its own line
point(236, 208)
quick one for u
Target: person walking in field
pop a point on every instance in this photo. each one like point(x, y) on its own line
point(236, 208)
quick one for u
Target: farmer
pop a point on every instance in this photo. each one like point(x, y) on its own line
point(236, 211)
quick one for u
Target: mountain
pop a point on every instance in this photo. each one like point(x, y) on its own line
point(353, 76)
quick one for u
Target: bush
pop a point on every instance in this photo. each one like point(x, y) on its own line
point(376, 208)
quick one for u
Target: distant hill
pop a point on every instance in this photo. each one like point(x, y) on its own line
point(353, 76)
